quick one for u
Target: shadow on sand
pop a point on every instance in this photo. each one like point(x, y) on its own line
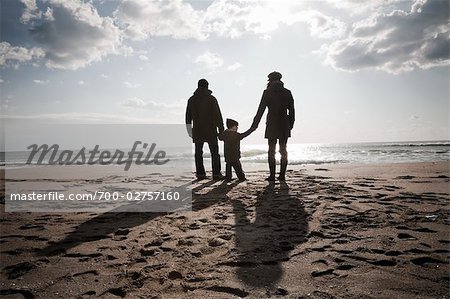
point(103, 225)
point(279, 224)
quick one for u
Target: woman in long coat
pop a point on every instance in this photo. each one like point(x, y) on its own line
point(279, 122)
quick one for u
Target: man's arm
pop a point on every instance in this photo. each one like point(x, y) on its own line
point(219, 119)
point(260, 112)
point(188, 118)
point(291, 110)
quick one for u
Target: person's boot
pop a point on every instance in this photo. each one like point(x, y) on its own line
point(272, 163)
point(283, 166)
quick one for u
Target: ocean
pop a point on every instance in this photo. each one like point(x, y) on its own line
point(383, 152)
point(389, 152)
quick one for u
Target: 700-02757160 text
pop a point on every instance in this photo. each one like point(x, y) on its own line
point(98, 195)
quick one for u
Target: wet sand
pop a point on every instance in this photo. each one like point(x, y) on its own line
point(329, 231)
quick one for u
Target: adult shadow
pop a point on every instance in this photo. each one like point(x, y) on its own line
point(279, 224)
point(118, 221)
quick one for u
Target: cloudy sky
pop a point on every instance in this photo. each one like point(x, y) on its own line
point(374, 70)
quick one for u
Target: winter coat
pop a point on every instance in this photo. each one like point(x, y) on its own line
point(204, 114)
point(281, 112)
point(232, 144)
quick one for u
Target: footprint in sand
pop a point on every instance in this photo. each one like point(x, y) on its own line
point(90, 272)
point(345, 267)
point(405, 177)
point(322, 273)
point(422, 261)
point(149, 252)
point(120, 292)
point(122, 232)
point(18, 270)
point(405, 236)
point(216, 242)
point(88, 294)
point(17, 293)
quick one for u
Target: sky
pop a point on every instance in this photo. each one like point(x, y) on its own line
point(359, 70)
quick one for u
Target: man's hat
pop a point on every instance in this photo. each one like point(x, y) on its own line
point(274, 76)
point(203, 83)
point(231, 123)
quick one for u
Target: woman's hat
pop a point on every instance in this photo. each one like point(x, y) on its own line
point(274, 76)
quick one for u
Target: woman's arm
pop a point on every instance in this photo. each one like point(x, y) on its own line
point(260, 112)
point(246, 133)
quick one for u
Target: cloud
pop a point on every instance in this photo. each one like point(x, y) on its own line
point(81, 82)
point(131, 85)
point(36, 81)
point(361, 6)
point(210, 61)
point(30, 12)
point(73, 35)
point(12, 56)
point(239, 83)
point(138, 103)
point(77, 117)
point(233, 19)
point(234, 66)
point(321, 25)
point(160, 112)
point(395, 42)
point(142, 19)
point(134, 103)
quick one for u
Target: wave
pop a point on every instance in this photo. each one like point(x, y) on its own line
point(252, 153)
point(412, 144)
point(300, 162)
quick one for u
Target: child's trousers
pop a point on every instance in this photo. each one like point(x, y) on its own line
point(237, 168)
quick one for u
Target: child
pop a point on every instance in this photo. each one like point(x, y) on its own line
point(232, 148)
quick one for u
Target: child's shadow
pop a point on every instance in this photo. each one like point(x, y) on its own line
point(279, 225)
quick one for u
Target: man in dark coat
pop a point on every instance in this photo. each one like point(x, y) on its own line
point(279, 123)
point(203, 113)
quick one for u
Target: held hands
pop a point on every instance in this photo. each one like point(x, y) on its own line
point(220, 136)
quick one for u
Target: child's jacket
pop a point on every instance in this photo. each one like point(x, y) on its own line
point(232, 144)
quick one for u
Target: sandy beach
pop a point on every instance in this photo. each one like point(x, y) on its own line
point(329, 231)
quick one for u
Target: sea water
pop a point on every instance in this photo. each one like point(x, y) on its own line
point(382, 152)
point(389, 152)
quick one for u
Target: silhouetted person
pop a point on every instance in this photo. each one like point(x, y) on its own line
point(279, 123)
point(203, 113)
point(232, 149)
